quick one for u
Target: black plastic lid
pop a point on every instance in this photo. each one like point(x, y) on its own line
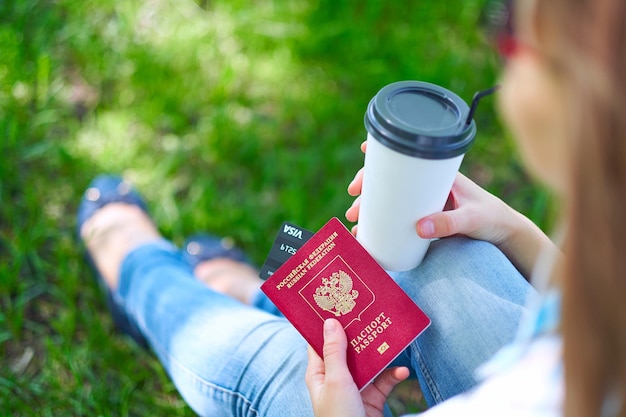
point(420, 119)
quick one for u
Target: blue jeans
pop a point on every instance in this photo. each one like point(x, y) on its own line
point(230, 359)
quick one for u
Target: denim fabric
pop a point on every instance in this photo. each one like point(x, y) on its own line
point(475, 299)
point(229, 359)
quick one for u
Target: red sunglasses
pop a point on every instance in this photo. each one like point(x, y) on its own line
point(497, 21)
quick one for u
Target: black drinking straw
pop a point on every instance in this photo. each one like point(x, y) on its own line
point(479, 95)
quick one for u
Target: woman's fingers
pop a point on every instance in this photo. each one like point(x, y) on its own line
point(354, 188)
point(352, 214)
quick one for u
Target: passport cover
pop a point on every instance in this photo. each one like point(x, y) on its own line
point(333, 276)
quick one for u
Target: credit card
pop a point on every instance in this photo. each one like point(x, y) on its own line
point(288, 240)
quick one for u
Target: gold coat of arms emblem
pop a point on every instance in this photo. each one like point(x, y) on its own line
point(336, 295)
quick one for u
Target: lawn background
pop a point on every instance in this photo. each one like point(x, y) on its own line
point(230, 116)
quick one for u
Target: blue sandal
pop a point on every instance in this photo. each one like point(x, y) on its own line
point(103, 190)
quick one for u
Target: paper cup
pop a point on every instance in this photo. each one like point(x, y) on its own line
point(417, 138)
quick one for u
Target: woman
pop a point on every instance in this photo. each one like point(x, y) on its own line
point(229, 352)
point(564, 98)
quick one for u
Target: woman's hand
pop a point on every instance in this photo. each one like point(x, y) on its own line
point(469, 211)
point(474, 212)
point(331, 387)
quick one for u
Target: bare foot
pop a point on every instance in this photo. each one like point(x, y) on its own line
point(112, 232)
point(229, 277)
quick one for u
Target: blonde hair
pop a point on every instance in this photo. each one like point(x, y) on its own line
point(586, 42)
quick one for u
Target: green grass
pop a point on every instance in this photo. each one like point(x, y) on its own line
point(229, 116)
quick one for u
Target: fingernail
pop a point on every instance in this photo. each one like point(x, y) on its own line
point(427, 228)
point(330, 326)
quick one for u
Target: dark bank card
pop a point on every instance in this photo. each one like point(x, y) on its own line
point(289, 239)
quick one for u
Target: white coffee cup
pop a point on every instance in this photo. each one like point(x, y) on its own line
point(417, 138)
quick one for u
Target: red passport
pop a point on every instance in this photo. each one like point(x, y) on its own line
point(333, 276)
